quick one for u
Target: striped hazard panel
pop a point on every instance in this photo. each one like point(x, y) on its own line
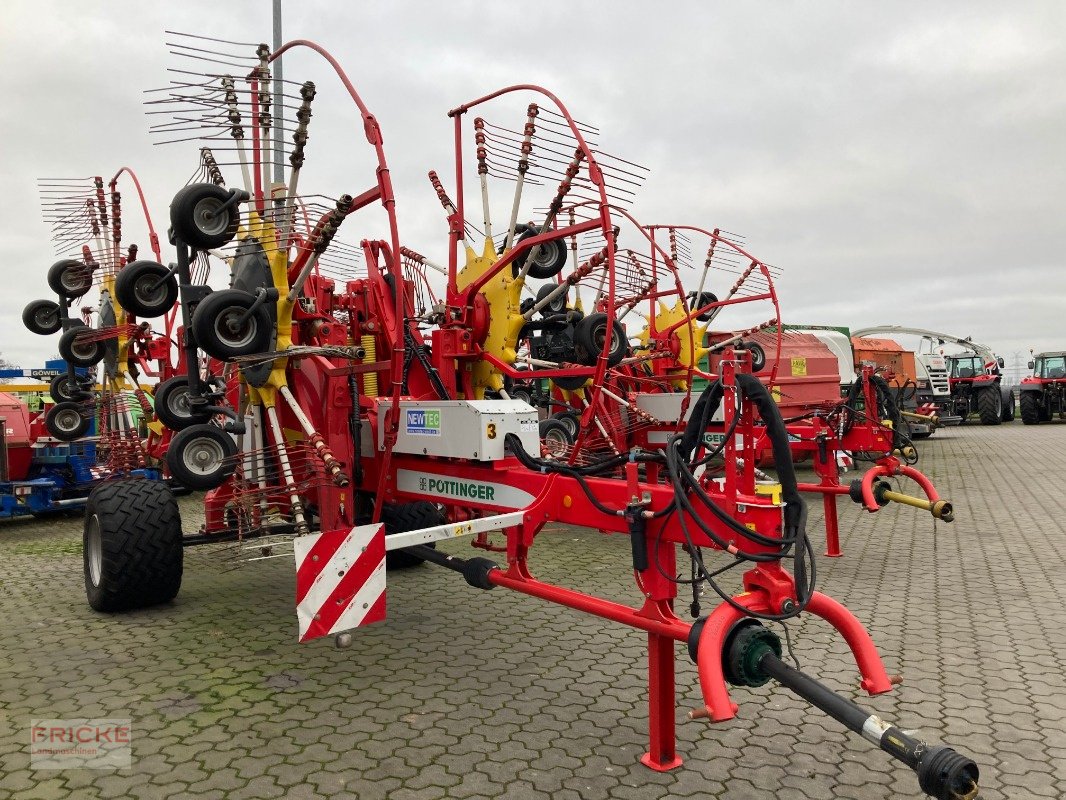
point(340, 580)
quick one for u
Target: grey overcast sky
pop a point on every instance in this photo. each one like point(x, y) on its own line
point(903, 162)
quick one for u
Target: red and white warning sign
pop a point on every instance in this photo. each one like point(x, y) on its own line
point(340, 580)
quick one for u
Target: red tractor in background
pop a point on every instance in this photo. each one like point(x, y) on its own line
point(1043, 394)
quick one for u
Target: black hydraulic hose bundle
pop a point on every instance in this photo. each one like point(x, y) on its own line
point(514, 444)
point(677, 458)
point(794, 534)
point(413, 350)
point(887, 408)
point(891, 411)
point(907, 392)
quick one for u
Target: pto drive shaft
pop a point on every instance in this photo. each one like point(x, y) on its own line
point(883, 495)
point(753, 656)
point(942, 772)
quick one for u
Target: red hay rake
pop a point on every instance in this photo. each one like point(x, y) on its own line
point(346, 409)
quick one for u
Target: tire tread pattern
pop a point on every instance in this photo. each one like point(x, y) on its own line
point(1030, 411)
point(987, 406)
point(142, 555)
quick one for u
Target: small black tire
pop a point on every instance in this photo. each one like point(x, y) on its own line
point(146, 289)
point(133, 556)
point(195, 220)
point(521, 394)
point(70, 278)
point(758, 356)
point(1030, 408)
point(571, 419)
point(67, 421)
point(705, 298)
point(557, 305)
point(555, 437)
point(550, 260)
point(590, 335)
point(990, 405)
point(403, 517)
point(218, 331)
point(172, 406)
point(572, 383)
point(63, 390)
point(202, 457)
point(42, 317)
point(80, 353)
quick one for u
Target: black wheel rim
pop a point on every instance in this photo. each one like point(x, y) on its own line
point(46, 317)
point(149, 290)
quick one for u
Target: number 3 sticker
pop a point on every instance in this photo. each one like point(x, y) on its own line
point(491, 430)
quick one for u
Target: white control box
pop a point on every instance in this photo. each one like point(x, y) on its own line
point(473, 429)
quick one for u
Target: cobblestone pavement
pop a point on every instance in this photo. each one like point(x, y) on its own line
point(463, 693)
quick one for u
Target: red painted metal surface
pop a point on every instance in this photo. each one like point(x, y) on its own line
point(17, 436)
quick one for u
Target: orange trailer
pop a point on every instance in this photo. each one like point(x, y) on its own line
point(887, 354)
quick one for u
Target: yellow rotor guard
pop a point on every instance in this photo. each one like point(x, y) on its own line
point(503, 292)
point(690, 333)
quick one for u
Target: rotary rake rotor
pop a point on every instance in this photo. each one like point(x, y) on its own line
point(298, 295)
point(557, 334)
point(102, 343)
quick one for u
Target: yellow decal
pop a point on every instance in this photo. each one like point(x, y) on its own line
point(799, 367)
point(771, 490)
point(491, 430)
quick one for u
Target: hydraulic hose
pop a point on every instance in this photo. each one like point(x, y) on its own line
point(794, 535)
point(886, 409)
